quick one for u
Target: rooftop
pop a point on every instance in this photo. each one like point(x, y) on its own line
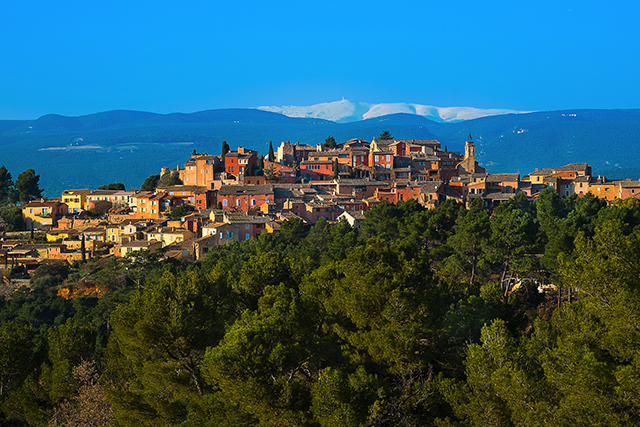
point(227, 190)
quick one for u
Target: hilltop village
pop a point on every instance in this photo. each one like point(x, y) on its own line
point(207, 298)
point(240, 194)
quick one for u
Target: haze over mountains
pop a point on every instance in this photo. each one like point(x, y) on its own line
point(128, 146)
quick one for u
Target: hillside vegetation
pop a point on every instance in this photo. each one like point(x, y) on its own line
point(409, 322)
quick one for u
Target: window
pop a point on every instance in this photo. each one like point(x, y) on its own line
point(230, 235)
point(246, 236)
point(388, 157)
point(253, 202)
point(376, 158)
point(224, 202)
point(246, 226)
point(221, 235)
point(238, 202)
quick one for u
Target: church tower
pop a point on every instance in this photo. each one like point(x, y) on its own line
point(470, 150)
point(469, 164)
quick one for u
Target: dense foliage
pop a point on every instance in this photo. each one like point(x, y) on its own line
point(415, 320)
point(113, 186)
point(150, 183)
point(25, 189)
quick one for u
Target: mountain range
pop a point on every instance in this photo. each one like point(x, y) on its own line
point(346, 111)
point(128, 146)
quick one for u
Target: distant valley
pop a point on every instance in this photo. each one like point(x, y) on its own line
point(127, 146)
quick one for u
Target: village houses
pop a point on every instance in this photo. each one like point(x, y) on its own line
point(241, 195)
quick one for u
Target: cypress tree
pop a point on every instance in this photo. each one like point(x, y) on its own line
point(83, 249)
point(271, 154)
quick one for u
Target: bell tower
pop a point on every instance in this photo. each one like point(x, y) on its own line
point(469, 165)
point(470, 149)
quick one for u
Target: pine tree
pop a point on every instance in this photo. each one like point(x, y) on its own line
point(385, 135)
point(6, 186)
point(28, 187)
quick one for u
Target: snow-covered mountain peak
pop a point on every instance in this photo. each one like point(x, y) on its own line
point(349, 111)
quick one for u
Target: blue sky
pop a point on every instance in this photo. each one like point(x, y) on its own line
point(80, 57)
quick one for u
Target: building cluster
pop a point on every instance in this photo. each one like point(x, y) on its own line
point(239, 195)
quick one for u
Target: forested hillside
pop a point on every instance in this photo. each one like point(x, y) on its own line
point(404, 323)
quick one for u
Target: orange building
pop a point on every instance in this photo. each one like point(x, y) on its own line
point(381, 160)
point(196, 196)
point(150, 205)
point(245, 197)
point(344, 157)
point(570, 171)
point(43, 214)
point(316, 169)
point(199, 170)
point(603, 189)
point(241, 162)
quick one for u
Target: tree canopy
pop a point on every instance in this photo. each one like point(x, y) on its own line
point(329, 143)
point(169, 179)
point(180, 211)
point(150, 183)
point(27, 186)
point(457, 315)
point(113, 186)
